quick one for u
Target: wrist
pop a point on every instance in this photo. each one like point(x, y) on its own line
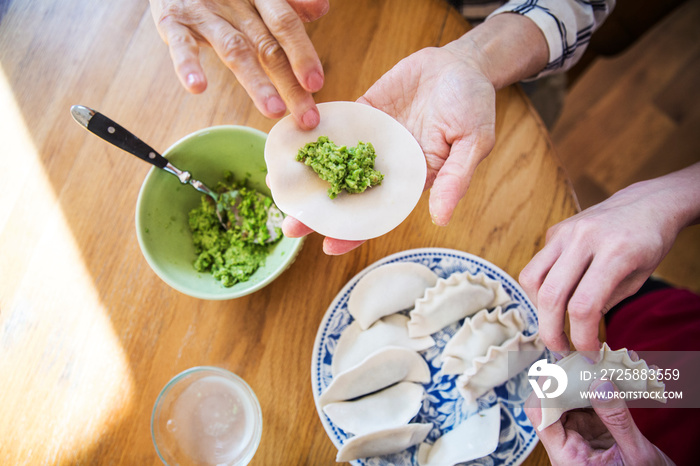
point(506, 48)
point(682, 192)
point(673, 199)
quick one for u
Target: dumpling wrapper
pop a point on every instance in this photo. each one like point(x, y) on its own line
point(575, 364)
point(475, 437)
point(356, 344)
point(392, 407)
point(477, 335)
point(383, 442)
point(379, 370)
point(389, 289)
point(299, 192)
point(453, 298)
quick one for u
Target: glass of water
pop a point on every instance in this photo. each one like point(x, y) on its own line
point(206, 416)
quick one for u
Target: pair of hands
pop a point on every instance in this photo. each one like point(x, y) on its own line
point(595, 259)
point(441, 95)
point(446, 98)
point(591, 262)
point(601, 436)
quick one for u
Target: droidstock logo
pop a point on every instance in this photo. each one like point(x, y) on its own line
point(542, 368)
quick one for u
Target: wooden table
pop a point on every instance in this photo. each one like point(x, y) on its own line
point(88, 333)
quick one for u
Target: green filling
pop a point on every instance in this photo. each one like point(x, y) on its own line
point(232, 255)
point(345, 168)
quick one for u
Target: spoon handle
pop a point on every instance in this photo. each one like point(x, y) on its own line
point(113, 133)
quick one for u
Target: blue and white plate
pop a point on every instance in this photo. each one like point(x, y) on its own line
point(443, 405)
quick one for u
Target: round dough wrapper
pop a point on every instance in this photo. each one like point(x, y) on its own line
point(299, 192)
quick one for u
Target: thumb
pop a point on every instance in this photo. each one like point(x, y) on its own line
point(451, 182)
point(613, 412)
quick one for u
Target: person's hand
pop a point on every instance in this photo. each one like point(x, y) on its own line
point(449, 107)
point(446, 98)
point(603, 435)
point(263, 42)
point(593, 260)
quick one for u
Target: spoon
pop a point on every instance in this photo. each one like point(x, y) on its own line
point(115, 134)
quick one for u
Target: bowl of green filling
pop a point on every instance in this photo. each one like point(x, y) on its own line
point(178, 229)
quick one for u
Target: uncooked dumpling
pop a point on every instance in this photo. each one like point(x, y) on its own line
point(356, 344)
point(379, 370)
point(574, 365)
point(389, 289)
point(498, 365)
point(299, 192)
point(454, 298)
point(474, 438)
point(477, 334)
point(392, 407)
point(383, 442)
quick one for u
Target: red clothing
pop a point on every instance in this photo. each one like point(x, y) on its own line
point(667, 319)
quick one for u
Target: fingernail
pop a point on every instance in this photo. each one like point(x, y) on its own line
point(315, 81)
point(605, 391)
point(275, 105)
point(328, 248)
point(557, 356)
point(435, 205)
point(440, 222)
point(192, 80)
point(591, 357)
point(311, 118)
point(436, 208)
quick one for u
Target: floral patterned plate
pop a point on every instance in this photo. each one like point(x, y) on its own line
point(443, 405)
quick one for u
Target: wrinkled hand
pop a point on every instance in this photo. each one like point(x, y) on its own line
point(448, 105)
point(593, 260)
point(263, 42)
point(603, 435)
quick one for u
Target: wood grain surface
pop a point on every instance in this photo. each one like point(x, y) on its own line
point(88, 333)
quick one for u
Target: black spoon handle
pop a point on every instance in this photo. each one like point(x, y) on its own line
point(114, 133)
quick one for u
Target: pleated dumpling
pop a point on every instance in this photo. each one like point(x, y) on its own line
point(477, 335)
point(609, 361)
point(383, 442)
point(356, 344)
point(392, 407)
point(498, 365)
point(452, 299)
point(379, 370)
point(475, 437)
point(388, 289)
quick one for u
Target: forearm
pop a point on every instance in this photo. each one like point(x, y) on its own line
point(676, 196)
point(507, 48)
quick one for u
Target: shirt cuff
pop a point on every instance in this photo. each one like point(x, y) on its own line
point(567, 26)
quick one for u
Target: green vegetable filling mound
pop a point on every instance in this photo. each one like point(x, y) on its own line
point(232, 255)
point(345, 168)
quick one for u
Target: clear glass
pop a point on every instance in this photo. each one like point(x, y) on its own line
point(206, 416)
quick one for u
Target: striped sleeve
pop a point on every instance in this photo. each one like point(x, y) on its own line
point(566, 24)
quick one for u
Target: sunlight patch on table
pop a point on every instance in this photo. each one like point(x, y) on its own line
point(70, 380)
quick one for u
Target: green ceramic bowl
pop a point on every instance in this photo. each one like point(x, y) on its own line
point(164, 203)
